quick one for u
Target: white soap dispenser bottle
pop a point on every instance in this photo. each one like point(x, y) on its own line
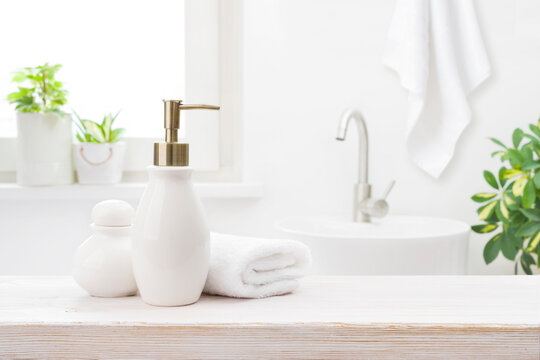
point(171, 249)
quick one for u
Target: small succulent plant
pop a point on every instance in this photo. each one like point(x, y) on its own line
point(93, 132)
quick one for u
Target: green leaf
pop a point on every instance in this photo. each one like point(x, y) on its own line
point(536, 180)
point(502, 212)
point(533, 139)
point(26, 100)
point(514, 238)
point(498, 153)
point(517, 136)
point(510, 200)
point(526, 152)
point(79, 124)
point(508, 247)
point(529, 229)
point(498, 142)
point(115, 134)
point(14, 96)
point(484, 228)
point(526, 267)
point(492, 248)
point(526, 261)
point(94, 129)
point(482, 197)
point(515, 157)
point(531, 165)
point(502, 181)
point(490, 178)
point(529, 194)
point(512, 173)
point(519, 185)
point(106, 126)
point(533, 244)
point(531, 214)
point(18, 77)
point(115, 116)
point(535, 130)
point(485, 211)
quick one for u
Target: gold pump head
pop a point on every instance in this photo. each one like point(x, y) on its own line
point(171, 152)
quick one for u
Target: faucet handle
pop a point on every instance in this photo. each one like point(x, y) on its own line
point(388, 189)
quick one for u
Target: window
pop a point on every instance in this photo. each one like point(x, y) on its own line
point(116, 55)
point(121, 55)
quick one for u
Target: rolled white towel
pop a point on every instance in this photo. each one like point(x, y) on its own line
point(247, 267)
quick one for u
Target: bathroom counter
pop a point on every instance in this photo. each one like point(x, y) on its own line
point(327, 317)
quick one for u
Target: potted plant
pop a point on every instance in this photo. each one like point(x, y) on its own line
point(43, 129)
point(99, 155)
point(512, 210)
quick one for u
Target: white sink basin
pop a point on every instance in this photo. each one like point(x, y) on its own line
point(395, 245)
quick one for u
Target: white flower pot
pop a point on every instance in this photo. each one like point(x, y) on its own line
point(44, 149)
point(99, 163)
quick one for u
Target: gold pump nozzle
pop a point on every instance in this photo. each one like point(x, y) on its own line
point(171, 152)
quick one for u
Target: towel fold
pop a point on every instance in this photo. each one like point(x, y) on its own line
point(436, 42)
point(247, 267)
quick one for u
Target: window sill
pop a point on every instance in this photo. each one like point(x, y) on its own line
point(128, 191)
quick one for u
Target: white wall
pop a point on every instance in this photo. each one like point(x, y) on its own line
point(305, 61)
point(308, 60)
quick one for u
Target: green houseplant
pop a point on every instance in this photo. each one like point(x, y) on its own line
point(99, 154)
point(39, 91)
point(94, 132)
point(511, 211)
point(43, 129)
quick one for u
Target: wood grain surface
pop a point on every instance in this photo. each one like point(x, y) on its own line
point(495, 317)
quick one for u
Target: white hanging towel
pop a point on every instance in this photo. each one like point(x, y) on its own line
point(436, 42)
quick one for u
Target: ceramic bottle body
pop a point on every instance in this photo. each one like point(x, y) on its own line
point(102, 264)
point(171, 249)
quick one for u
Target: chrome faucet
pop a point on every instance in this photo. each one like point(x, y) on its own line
point(365, 207)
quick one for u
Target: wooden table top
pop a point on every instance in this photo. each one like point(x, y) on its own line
point(327, 317)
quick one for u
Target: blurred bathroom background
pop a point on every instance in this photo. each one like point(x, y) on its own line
point(285, 69)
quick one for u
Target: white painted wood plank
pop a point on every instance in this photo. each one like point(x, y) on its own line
point(329, 341)
point(354, 300)
point(328, 317)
